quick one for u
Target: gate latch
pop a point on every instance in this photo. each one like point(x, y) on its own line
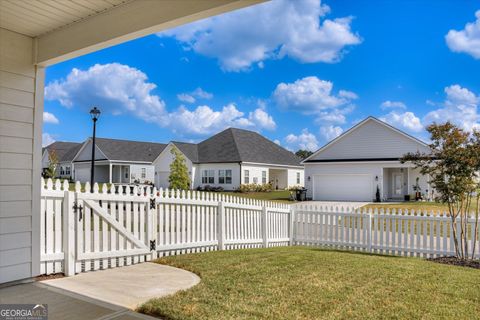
point(152, 203)
point(153, 245)
point(77, 208)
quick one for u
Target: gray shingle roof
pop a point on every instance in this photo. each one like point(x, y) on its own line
point(65, 150)
point(190, 150)
point(239, 145)
point(126, 150)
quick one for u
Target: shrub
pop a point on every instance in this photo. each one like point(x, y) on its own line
point(254, 187)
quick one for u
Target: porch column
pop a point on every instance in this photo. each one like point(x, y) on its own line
point(109, 173)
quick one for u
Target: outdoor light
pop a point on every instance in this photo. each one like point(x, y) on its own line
point(376, 178)
point(308, 178)
point(95, 113)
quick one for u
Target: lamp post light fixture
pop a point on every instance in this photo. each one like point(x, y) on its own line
point(95, 113)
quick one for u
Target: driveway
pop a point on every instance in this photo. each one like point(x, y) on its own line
point(345, 204)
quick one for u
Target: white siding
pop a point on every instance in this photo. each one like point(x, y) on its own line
point(20, 143)
point(373, 169)
point(136, 172)
point(86, 153)
point(255, 172)
point(292, 177)
point(370, 140)
point(162, 168)
point(235, 167)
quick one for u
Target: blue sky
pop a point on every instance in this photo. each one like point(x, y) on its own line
point(299, 72)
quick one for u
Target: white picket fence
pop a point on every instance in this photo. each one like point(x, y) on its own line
point(99, 229)
point(404, 233)
point(85, 230)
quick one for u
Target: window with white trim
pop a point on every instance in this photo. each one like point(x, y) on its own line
point(264, 177)
point(144, 173)
point(224, 176)
point(298, 177)
point(62, 171)
point(246, 176)
point(67, 170)
point(255, 180)
point(208, 176)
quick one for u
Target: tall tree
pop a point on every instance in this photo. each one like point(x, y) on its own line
point(179, 178)
point(453, 164)
point(303, 154)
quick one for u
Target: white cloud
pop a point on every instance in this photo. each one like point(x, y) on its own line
point(114, 88)
point(120, 89)
point(460, 107)
point(47, 139)
point(261, 118)
point(310, 95)
point(305, 141)
point(277, 142)
point(392, 105)
point(49, 118)
point(466, 40)
point(330, 132)
point(192, 97)
point(272, 30)
point(407, 121)
point(184, 97)
point(204, 120)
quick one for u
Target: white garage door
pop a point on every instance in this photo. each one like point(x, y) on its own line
point(343, 187)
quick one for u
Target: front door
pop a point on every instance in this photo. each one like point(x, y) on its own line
point(397, 187)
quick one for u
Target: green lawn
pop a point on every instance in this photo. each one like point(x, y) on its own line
point(281, 196)
point(415, 205)
point(309, 283)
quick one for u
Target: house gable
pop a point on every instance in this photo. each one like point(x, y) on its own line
point(85, 153)
point(371, 139)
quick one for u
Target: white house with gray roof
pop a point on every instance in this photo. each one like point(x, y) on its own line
point(64, 152)
point(227, 159)
point(231, 158)
point(362, 159)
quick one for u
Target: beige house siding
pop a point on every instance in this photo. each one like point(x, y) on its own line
point(19, 138)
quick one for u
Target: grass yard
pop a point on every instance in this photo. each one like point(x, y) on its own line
point(415, 205)
point(281, 195)
point(309, 283)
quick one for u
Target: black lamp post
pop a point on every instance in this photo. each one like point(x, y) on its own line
point(95, 113)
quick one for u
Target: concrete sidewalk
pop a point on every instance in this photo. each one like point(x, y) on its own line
point(63, 304)
point(128, 286)
point(106, 294)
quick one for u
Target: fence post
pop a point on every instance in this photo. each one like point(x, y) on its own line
point(264, 227)
point(68, 234)
point(290, 225)
point(151, 209)
point(369, 231)
point(221, 226)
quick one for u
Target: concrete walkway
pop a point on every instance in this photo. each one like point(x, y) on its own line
point(334, 204)
point(64, 304)
point(106, 294)
point(128, 286)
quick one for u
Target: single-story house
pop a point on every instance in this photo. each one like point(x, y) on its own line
point(231, 158)
point(227, 159)
point(352, 166)
point(117, 161)
point(64, 152)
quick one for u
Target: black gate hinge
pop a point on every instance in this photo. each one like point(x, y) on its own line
point(153, 245)
point(152, 203)
point(77, 208)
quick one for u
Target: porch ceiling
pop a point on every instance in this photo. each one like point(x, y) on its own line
point(34, 18)
point(65, 29)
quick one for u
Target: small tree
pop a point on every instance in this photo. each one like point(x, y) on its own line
point(452, 165)
point(179, 178)
point(303, 154)
point(51, 171)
